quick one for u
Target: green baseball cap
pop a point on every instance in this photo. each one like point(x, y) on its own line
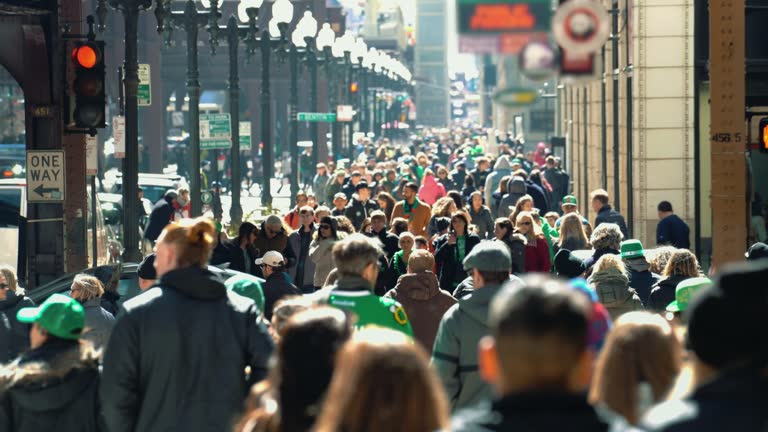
point(570, 200)
point(631, 249)
point(685, 291)
point(247, 286)
point(60, 315)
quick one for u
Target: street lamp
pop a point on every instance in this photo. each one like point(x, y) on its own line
point(326, 43)
point(130, 10)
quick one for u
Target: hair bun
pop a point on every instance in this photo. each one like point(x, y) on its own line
point(201, 233)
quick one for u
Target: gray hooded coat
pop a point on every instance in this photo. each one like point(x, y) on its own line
point(454, 355)
point(500, 169)
point(515, 190)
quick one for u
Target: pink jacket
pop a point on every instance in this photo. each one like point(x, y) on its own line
point(431, 190)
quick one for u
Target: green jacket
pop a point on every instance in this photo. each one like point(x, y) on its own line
point(355, 296)
point(454, 355)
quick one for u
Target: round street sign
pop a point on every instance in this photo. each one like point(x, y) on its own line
point(206, 197)
point(581, 26)
point(538, 60)
point(515, 97)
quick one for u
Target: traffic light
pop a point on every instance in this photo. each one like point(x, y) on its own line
point(353, 88)
point(87, 98)
point(763, 135)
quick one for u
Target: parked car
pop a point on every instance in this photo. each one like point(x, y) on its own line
point(127, 287)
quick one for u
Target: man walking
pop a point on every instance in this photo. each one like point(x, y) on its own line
point(671, 230)
point(303, 270)
point(606, 213)
point(412, 210)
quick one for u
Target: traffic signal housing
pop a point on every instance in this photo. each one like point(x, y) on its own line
point(763, 135)
point(87, 98)
point(353, 87)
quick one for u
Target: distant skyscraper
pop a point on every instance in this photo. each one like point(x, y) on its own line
point(431, 63)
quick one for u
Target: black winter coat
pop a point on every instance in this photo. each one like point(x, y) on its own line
point(389, 241)
point(663, 293)
point(230, 252)
point(608, 215)
point(158, 219)
point(14, 336)
point(641, 278)
point(734, 401)
point(52, 388)
point(527, 412)
point(176, 358)
point(450, 269)
point(538, 195)
point(276, 287)
point(357, 211)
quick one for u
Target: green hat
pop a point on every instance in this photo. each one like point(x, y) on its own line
point(247, 286)
point(570, 200)
point(60, 316)
point(685, 291)
point(515, 161)
point(631, 249)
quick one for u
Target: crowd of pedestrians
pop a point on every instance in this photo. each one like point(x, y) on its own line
point(435, 286)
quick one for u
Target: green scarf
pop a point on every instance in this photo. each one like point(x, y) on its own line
point(408, 208)
point(397, 262)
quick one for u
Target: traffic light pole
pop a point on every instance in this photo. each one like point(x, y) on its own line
point(130, 9)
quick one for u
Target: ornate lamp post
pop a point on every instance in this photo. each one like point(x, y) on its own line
point(325, 40)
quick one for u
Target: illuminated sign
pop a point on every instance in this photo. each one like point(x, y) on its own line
point(492, 16)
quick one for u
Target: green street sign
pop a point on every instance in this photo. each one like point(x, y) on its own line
point(516, 97)
point(206, 197)
point(215, 131)
point(215, 144)
point(317, 117)
point(245, 136)
point(144, 94)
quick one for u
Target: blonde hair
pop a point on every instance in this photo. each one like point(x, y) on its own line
point(609, 261)
point(89, 287)
point(535, 231)
point(682, 263)
point(625, 362)
point(192, 239)
point(442, 207)
point(10, 279)
point(571, 227)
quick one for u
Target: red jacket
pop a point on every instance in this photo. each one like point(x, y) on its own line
point(537, 257)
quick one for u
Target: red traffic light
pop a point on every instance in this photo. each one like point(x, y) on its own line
point(85, 56)
point(353, 87)
point(763, 135)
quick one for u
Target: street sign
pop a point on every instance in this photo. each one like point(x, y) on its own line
point(144, 95)
point(503, 16)
point(317, 117)
point(206, 197)
point(245, 136)
point(91, 155)
point(345, 113)
point(538, 61)
point(177, 119)
point(581, 26)
point(305, 144)
point(215, 131)
point(118, 135)
point(45, 175)
point(515, 96)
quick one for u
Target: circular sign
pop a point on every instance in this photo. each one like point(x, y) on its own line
point(206, 197)
point(538, 60)
point(581, 26)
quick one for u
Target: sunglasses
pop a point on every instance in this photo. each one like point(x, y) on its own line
point(4, 286)
point(270, 232)
point(523, 223)
point(325, 226)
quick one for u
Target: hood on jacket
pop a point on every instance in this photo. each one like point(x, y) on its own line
point(610, 275)
point(637, 264)
point(476, 305)
point(429, 181)
point(418, 286)
point(46, 385)
point(502, 163)
point(516, 186)
point(195, 282)
point(517, 237)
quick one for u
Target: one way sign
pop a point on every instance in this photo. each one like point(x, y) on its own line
point(45, 175)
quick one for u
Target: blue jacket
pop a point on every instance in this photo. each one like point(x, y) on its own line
point(608, 215)
point(673, 231)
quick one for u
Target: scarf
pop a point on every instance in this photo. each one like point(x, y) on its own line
point(408, 208)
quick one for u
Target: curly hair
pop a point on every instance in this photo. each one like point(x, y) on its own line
point(682, 263)
point(607, 236)
point(660, 258)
